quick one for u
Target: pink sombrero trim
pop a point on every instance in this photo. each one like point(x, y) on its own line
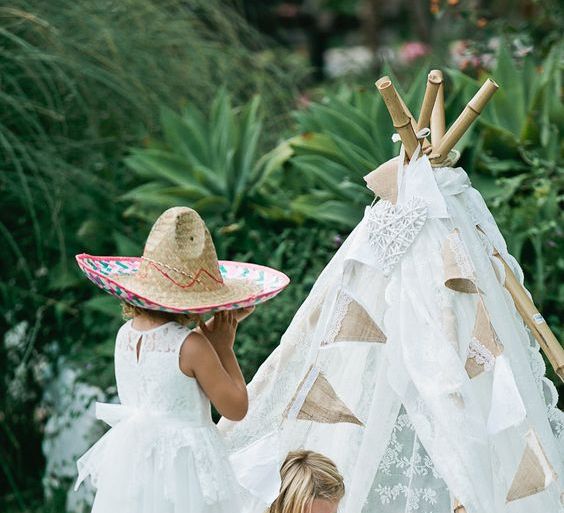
point(265, 295)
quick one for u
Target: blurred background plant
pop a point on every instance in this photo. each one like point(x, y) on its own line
point(263, 116)
point(81, 82)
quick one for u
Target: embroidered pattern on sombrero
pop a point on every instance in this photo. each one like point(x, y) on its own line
point(101, 270)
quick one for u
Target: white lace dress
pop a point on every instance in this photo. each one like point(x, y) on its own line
point(163, 453)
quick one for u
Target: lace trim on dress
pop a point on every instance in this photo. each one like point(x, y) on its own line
point(164, 339)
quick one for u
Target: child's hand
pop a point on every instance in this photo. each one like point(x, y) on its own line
point(221, 330)
point(243, 313)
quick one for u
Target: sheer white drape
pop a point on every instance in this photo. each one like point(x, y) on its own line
point(430, 432)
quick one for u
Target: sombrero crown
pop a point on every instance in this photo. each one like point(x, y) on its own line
point(179, 271)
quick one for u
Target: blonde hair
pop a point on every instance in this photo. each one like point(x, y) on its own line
point(306, 476)
point(129, 311)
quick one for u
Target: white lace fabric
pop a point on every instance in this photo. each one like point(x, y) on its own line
point(407, 480)
point(481, 354)
point(163, 453)
point(462, 260)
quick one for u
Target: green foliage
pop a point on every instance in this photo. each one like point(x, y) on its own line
point(208, 162)
point(342, 138)
point(82, 82)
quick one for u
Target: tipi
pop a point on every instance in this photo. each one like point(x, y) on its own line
point(414, 362)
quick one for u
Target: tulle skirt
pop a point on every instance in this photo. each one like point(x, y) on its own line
point(156, 465)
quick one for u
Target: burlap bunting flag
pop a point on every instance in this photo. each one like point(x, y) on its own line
point(358, 326)
point(484, 345)
point(317, 401)
point(534, 473)
point(383, 181)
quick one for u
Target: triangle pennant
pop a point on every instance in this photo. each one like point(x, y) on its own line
point(358, 326)
point(317, 401)
point(484, 345)
point(534, 473)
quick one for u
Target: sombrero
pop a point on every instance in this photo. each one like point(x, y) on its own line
point(179, 271)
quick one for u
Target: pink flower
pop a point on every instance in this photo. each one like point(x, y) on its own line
point(412, 51)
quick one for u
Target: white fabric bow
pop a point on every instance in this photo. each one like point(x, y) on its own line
point(417, 180)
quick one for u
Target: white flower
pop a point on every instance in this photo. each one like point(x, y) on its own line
point(15, 336)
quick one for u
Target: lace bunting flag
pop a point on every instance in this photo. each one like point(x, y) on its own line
point(484, 345)
point(393, 228)
point(352, 323)
point(316, 400)
point(459, 273)
point(534, 473)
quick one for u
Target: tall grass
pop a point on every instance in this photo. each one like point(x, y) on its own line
point(80, 83)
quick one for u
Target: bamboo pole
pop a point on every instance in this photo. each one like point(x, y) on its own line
point(399, 114)
point(458, 507)
point(466, 118)
point(534, 320)
point(425, 144)
point(434, 81)
point(438, 114)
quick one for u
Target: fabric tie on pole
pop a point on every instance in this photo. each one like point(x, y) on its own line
point(417, 180)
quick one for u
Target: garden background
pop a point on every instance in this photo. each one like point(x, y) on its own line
point(264, 118)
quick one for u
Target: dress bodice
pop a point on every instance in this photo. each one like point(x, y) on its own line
point(153, 382)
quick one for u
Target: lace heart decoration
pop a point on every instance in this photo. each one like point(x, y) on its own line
point(393, 228)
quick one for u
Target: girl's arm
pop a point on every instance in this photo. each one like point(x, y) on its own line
point(211, 360)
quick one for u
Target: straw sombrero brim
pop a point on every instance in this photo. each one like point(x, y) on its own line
point(244, 285)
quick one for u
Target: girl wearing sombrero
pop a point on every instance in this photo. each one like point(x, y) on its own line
point(163, 453)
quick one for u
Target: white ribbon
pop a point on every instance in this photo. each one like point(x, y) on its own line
point(418, 180)
point(257, 468)
point(113, 413)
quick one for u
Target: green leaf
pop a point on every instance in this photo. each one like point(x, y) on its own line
point(509, 101)
point(315, 143)
point(185, 136)
point(335, 212)
point(126, 246)
point(103, 304)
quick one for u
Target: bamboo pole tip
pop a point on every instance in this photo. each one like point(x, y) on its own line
point(435, 76)
point(483, 96)
point(492, 83)
point(383, 82)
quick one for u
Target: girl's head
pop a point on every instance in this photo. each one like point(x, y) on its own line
point(311, 483)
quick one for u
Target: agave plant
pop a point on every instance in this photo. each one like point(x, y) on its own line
point(209, 162)
point(342, 138)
